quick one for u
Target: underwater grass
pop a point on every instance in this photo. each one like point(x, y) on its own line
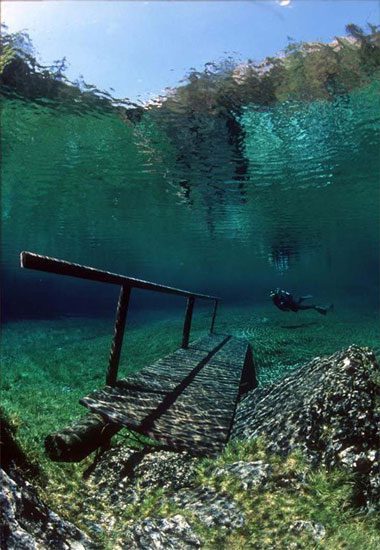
point(49, 365)
point(323, 497)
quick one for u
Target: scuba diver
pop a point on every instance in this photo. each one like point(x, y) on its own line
point(285, 301)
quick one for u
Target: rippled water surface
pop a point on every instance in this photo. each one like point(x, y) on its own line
point(291, 200)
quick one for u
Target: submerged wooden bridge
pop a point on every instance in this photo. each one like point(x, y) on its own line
point(185, 401)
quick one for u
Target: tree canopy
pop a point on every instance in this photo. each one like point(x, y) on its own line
point(304, 71)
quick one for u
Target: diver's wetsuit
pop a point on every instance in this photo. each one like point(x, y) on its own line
point(285, 301)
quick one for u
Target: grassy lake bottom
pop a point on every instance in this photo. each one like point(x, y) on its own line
point(49, 365)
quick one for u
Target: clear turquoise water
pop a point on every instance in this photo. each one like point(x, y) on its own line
point(294, 203)
point(287, 196)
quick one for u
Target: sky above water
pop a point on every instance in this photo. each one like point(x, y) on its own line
point(136, 49)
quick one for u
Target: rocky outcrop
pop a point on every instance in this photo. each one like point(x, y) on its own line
point(25, 521)
point(329, 409)
point(123, 475)
point(12, 455)
point(28, 524)
point(247, 474)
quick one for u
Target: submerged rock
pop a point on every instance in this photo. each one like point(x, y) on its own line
point(316, 530)
point(248, 474)
point(210, 507)
point(122, 475)
point(27, 523)
point(329, 409)
point(173, 533)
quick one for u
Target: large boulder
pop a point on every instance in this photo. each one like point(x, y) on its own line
point(329, 409)
point(26, 522)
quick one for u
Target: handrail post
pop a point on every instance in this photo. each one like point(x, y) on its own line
point(117, 342)
point(213, 316)
point(187, 323)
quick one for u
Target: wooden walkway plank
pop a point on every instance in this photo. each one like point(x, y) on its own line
point(130, 405)
point(203, 410)
point(167, 373)
point(186, 400)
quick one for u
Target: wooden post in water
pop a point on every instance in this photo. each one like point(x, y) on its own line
point(213, 316)
point(187, 323)
point(117, 342)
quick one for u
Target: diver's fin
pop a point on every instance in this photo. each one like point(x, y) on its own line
point(324, 309)
point(307, 297)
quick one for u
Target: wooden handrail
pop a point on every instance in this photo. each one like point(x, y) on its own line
point(30, 260)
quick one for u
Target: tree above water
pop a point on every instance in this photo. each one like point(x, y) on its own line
point(304, 71)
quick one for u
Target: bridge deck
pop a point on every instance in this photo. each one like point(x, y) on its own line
point(186, 400)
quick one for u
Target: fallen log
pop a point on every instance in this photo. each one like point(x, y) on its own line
point(84, 436)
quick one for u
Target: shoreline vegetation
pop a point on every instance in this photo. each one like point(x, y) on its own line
point(304, 71)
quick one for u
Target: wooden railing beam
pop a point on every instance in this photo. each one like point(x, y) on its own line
point(31, 260)
point(60, 267)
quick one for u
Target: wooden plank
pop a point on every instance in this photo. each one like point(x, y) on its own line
point(141, 402)
point(125, 406)
point(199, 416)
point(184, 423)
point(171, 370)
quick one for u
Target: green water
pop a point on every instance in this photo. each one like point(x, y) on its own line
point(93, 189)
point(289, 200)
point(245, 178)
